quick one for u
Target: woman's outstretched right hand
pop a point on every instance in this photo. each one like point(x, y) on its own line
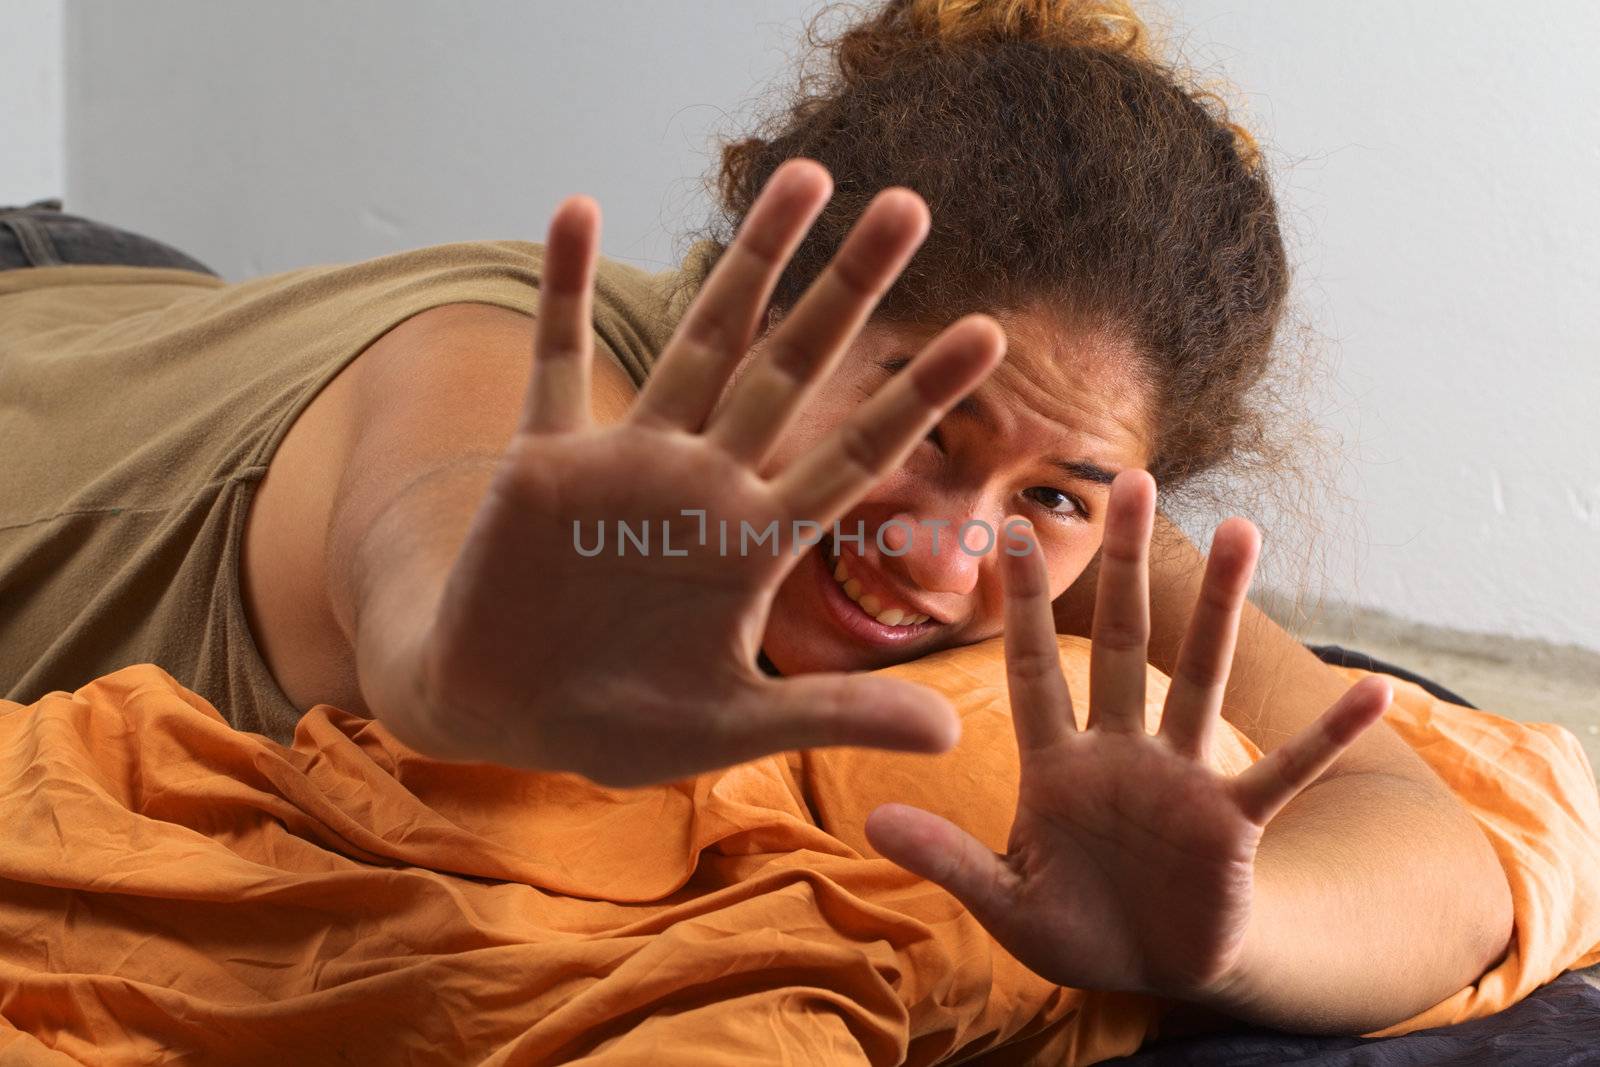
point(632, 667)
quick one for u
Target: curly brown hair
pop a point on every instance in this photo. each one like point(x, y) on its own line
point(1064, 165)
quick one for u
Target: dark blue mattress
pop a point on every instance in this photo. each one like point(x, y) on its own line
point(1558, 1025)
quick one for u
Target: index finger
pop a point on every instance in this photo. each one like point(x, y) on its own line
point(876, 436)
point(1041, 704)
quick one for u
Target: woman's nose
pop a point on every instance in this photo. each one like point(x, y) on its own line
point(939, 554)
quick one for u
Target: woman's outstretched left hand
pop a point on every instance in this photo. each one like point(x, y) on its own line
point(1131, 863)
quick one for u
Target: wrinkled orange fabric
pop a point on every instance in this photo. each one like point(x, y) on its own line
point(173, 888)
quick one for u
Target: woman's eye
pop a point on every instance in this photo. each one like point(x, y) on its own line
point(1054, 500)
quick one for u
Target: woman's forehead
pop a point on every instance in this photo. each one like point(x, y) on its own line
point(1093, 409)
point(1083, 383)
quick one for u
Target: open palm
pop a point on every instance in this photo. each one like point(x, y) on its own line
point(635, 662)
point(1131, 863)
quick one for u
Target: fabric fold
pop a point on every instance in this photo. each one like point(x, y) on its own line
point(172, 887)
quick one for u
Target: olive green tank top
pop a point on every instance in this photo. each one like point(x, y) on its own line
point(139, 409)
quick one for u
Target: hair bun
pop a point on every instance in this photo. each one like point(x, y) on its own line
point(898, 27)
point(1110, 25)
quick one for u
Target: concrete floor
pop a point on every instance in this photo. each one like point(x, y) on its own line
point(1520, 679)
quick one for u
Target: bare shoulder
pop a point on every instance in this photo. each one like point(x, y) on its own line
point(476, 353)
point(443, 387)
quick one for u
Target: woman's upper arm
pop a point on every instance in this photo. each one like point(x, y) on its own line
point(443, 389)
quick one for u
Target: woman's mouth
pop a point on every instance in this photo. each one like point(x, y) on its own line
point(862, 606)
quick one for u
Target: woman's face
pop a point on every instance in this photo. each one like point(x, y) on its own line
point(1042, 438)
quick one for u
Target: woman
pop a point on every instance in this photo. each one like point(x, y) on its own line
point(1025, 165)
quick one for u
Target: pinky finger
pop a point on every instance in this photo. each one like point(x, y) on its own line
point(558, 387)
point(1278, 777)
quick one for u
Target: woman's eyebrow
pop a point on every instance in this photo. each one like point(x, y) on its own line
point(1086, 471)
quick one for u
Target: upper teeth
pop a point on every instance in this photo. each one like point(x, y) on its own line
point(871, 604)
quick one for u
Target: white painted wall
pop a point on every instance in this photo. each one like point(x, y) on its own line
point(1441, 172)
point(263, 136)
point(1441, 166)
point(31, 145)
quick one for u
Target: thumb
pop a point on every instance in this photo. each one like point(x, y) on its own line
point(818, 710)
point(940, 851)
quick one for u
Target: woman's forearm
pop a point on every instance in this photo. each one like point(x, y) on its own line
point(1371, 906)
point(1379, 895)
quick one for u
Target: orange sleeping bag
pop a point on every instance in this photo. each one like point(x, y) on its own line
point(173, 888)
